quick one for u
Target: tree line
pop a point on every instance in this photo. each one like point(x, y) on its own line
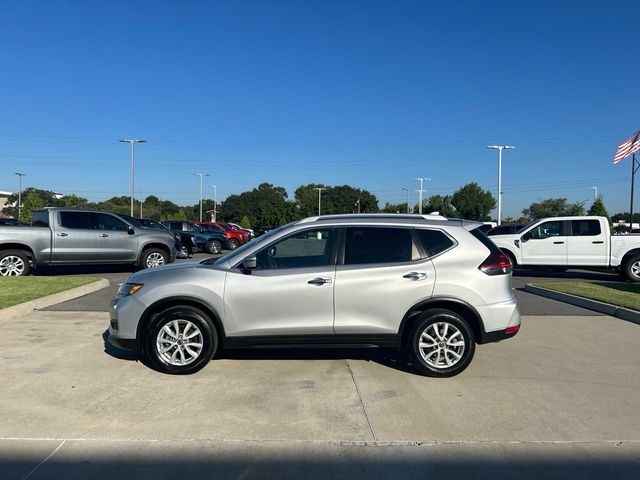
point(268, 205)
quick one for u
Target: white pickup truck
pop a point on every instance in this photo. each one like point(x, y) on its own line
point(572, 242)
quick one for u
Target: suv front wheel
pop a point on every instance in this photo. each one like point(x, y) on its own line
point(181, 340)
point(441, 343)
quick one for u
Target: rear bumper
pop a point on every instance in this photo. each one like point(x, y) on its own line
point(501, 321)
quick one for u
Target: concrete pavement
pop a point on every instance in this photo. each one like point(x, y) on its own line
point(559, 398)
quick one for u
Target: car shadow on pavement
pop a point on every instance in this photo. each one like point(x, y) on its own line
point(118, 353)
point(569, 275)
point(81, 270)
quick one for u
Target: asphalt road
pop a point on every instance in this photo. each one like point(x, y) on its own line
point(528, 303)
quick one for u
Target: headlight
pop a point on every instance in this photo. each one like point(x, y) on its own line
point(129, 288)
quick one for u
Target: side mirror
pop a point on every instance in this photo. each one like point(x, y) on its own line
point(250, 263)
point(130, 230)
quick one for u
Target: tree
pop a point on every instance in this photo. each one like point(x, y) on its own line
point(395, 207)
point(440, 204)
point(244, 223)
point(598, 209)
point(553, 207)
point(306, 197)
point(345, 199)
point(264, 206)
point(472, 202)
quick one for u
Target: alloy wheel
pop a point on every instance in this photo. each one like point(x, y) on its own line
point(635, 269)
point(155, 259)
point(179, 343)
point(11, 266)
point(441, 345)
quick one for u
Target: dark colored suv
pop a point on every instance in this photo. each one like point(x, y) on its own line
point(210, 242)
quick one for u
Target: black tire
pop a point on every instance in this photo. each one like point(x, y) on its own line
point(208, 338)
point(153, 257)
point(435, 319)
point(214, 247)
point(184, 252)
point(631, 268)
point(233, 244)
point(14, 263)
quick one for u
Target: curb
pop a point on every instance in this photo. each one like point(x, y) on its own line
point(606, 308)
point(22, 309)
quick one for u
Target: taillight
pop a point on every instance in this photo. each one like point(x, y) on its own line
point(496, 264)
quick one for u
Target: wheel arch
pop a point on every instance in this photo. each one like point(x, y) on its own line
point(511, 254)
point(157, 307)
point(150, 245)
point(627, 255)
point(450, 303)
point(19, 246)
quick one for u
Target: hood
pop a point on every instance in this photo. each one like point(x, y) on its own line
point(139, 277)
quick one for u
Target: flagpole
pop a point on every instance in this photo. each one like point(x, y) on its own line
point(634, 168)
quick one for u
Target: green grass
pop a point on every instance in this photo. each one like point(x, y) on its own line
point(14, 290)
point(625, 295)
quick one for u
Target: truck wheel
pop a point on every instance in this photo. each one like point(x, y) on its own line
point(214, 246)
point(441, 343)
point(153, 257)
point(631, 268)
point(181, 340)
point(14, 263)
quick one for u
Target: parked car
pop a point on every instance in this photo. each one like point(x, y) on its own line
point(563, 242)
point(210, 242)
point(427, 285)
point(248, 231)
point(65, 236)
point(506, 229)
point(235, 238)
point(8, 222)
point(186, 241)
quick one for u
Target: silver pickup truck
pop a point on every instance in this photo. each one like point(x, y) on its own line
point(69, 236)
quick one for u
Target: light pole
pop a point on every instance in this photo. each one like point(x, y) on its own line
point(500, 148)
point(20, 175)
point(320, 189)
point(421, 180)
point(201, 175)
point(133, 143)
point(357, 204)
point(215, 201)
point(407, 190)
point(595, 193)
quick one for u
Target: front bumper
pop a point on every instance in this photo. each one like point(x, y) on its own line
point(125, 315)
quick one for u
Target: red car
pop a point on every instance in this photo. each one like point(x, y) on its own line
point(228, 228)
point(236, 238)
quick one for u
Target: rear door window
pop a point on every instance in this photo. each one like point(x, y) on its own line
point(79, 220)
point(434, 241)
point(585, 228)
point(379, 245)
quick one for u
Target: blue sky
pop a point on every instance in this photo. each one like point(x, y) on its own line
point(368, 93)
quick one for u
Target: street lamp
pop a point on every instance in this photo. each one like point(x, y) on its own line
point(215, 201)
point(201, 175)
point(406, 190)
point(132, 142)
point(595, 193)
point(421, 180)
point(20, 175)
point(500, 148)
point(320, 189)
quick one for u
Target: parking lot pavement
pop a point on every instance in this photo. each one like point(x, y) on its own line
point(559, 397)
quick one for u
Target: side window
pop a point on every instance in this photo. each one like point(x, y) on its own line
point(311, 248)
point(434, 241)
point(175, 226)
point(585, 228)
point(547, 229)
point(378, 245)
point(82, 220)
point(40, 219)
point(109, 222)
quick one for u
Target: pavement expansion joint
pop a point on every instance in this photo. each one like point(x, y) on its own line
point(364, 408)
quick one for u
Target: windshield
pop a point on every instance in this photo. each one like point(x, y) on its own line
point(238, 252)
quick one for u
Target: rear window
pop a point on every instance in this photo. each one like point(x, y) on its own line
point(378, 245)
point(486, 241)
point(434, 241)
point(81, 220)
point(40, 219)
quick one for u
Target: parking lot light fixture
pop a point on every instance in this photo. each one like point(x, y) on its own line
point(20, 175)
point(133, 143)
point(500, 148)
point(201, 175)
point(215, 202)
point(407, 190)
point(320, 189)
point(421, 191)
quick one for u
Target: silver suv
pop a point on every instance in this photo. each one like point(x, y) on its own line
point(431, 286)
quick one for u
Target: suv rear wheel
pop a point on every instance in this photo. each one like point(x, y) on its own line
point(441, 343)
point(181, 340)
point(214, 246)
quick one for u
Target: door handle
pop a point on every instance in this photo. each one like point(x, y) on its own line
point(319, 281)
point(102, 235)
point(598, 242)
point(415, 276)
point(558, 243)
point(62, 234)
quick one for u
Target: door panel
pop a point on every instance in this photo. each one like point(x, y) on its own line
point(588, 244)
point(545, 244)
point(373, 299)
point(74, 238)
point(114, 242)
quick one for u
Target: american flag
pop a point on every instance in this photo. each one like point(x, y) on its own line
point(627, 147)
